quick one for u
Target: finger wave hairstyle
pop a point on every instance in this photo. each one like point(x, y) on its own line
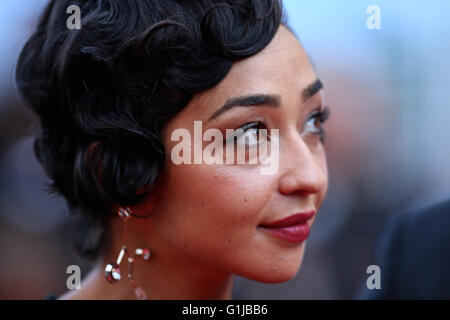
point(104, 92)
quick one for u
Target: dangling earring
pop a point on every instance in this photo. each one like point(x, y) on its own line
point(112, 269)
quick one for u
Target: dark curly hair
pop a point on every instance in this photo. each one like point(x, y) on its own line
point(104, 92)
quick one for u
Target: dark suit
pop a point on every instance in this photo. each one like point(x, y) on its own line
point(414, 256)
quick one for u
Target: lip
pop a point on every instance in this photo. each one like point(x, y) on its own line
point(298, 218)
point(293, 228)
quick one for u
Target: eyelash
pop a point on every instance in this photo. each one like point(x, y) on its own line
point(318, 115)
point(321, 116)
point(258, 125)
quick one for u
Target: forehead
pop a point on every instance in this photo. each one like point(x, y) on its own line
point(282, 67)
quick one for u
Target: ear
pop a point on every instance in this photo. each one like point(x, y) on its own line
point(143, 209)
point(146, 207)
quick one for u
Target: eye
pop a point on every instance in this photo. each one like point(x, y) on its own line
point(314, 124)
point(249, 135)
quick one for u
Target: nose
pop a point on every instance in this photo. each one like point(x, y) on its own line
point(303, 170)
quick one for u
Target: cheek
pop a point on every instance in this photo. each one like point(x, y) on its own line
point(220, 203)
point(322, 161)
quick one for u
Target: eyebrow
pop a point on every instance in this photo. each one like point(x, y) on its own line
point(312, 89)
point(270, 100)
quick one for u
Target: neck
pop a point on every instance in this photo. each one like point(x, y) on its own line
point(170, 273)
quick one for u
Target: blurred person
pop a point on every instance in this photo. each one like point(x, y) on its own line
point(110, 95)
point(413, 254)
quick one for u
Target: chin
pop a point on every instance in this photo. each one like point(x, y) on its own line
point(275, 273)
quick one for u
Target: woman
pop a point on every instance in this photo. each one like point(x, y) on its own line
point(110, 97)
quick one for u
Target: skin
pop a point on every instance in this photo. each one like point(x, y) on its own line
point(203, 227)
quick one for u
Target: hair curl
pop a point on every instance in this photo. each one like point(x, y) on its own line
point(104, 92)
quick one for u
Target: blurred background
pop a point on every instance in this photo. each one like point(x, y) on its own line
point(388, 146)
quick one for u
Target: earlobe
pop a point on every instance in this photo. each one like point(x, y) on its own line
point(141, 210)
point(142, 190)
point(146, 207)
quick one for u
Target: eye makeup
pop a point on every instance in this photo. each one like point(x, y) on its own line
point(314, 123)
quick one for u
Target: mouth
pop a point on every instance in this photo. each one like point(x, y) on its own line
point(293, 228)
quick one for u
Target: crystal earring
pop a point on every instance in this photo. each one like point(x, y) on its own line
point(112, 269)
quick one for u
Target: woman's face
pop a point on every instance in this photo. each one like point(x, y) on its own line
point(213, 212)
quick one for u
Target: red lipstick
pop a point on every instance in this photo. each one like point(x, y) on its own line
point(293, 228)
